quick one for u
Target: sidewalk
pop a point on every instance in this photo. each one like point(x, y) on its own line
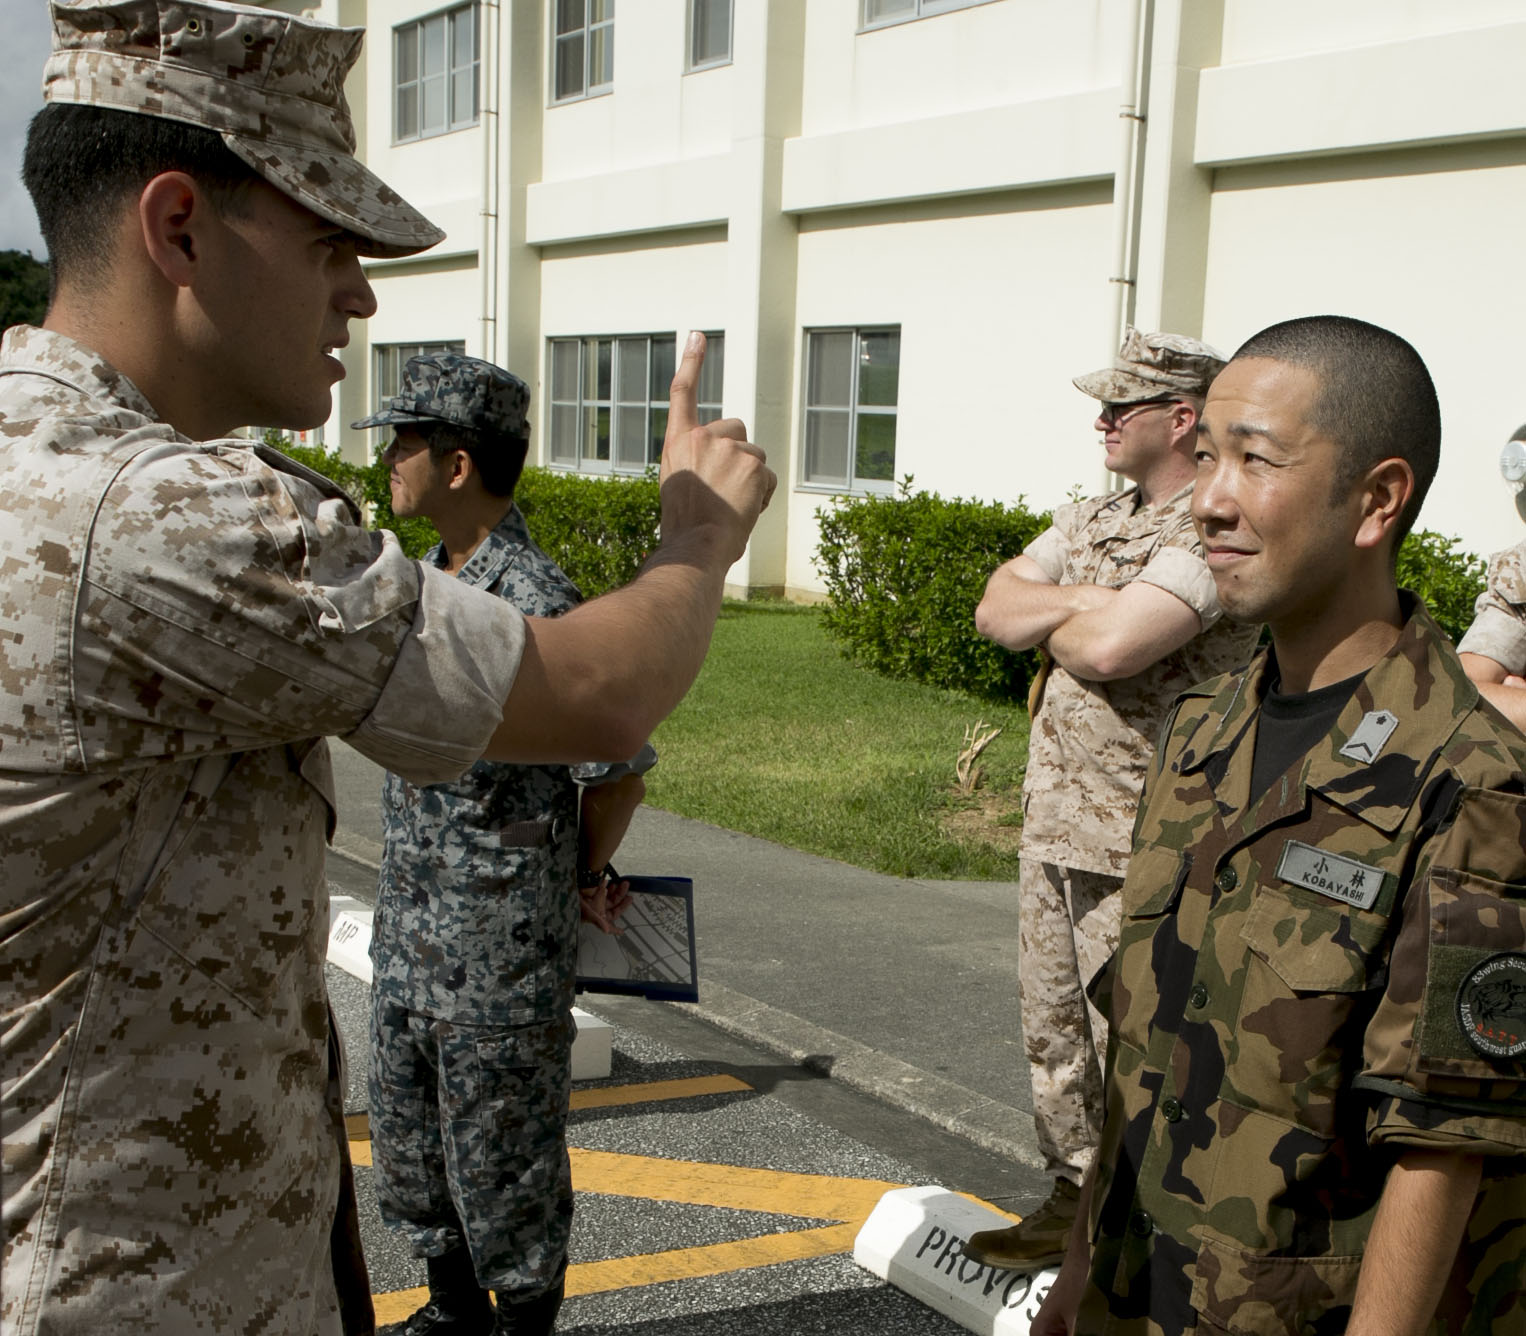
point(906, 990)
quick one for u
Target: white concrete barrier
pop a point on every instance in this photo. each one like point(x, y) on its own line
point(350, 949)
point(915, 1239)
point(593, 1049)
point(350, 943)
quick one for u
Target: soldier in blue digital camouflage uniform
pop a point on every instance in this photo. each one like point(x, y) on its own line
point(477, 912)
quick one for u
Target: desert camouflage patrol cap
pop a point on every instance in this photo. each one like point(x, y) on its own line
point(271, 85)
point(1153, 366)
point(463, 391)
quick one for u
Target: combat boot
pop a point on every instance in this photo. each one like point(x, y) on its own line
point(457, 1305)
point(1038, 1240)
point(530, 1317)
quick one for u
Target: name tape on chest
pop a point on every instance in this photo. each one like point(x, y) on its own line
point(1370, 736)
point(1334, 875)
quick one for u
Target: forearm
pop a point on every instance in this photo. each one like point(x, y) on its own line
point(1087, 647)
point(1137, 627)
point(593, 684)
point(1420, 1222)
point(607, 810)
point(1017, 613)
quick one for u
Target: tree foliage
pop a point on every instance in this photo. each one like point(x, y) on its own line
point(598, 530)
point(23, 289)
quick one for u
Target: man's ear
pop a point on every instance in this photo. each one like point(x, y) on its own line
point(461, 468)
point(1385, 493)
point(171, 213)
point(1184, 418)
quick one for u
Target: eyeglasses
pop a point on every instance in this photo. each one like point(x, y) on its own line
point(1113, 416)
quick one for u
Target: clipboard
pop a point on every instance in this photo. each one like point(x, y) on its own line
point(653, 956)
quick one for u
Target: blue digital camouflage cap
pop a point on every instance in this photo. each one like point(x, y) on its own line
point(463, 391)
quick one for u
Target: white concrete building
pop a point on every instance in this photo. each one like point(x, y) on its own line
point(914, 221)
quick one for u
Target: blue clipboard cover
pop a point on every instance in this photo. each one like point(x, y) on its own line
point(653, 956)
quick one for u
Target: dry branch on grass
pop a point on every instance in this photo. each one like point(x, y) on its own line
point(966, 772)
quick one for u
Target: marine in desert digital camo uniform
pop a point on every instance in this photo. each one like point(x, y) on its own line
point(1316, 1115)
point(186, 617)
point(474, 942)
point(171, 1092)
point(1493, 649)
point(1118, 665)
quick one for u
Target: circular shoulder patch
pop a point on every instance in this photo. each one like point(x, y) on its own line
point(1491, 1006)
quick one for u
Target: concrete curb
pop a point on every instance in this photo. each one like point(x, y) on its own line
point(991, 1125)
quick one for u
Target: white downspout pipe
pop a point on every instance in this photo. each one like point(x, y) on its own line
point(487, 247)
point(1131, 133)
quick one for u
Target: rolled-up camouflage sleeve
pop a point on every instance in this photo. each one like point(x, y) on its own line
point(1498, 631)
point(1437, 1053)
point(227, 606)
point(1051, 549)
point(1178, 568)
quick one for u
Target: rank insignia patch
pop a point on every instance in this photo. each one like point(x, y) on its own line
point(1370, 736)
point(1491, 1006)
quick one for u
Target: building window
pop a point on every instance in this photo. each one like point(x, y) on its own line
point(709, 33)
point(389, 359)
point(435, 65)
point(582, 48)
point(852, 380)
point(882, 13)
point(609, 398)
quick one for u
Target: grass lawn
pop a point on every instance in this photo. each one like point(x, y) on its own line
point(784, 739)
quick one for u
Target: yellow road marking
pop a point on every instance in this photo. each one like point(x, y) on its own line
point(715, 1259)
point(814, 1196)
point(399, 1305)
point(846, 1202)
point(608, 1096)
point(358, 1125)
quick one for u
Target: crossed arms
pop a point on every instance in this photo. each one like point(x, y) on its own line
point(1095, 633)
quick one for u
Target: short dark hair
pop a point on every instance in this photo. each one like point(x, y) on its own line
point(1376, 398)
point(82, 162)
point(499, 462)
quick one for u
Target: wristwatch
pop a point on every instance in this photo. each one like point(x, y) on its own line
point(590, 878)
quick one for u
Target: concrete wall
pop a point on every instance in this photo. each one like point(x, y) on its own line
point(954, 175)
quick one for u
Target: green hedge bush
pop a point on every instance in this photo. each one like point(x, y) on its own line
point(903, 576)
point(598, 530)
point(1445, 575)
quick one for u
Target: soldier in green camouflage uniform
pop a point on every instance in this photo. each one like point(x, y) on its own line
point(1316, 1114)
point(1117, 592)
point(475, 938)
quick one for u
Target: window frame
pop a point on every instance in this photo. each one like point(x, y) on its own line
point(920, 9)
point(401, 352)
point(586, 461)
point(449, 74)
point(692, 66)
point(584, 32)
point(853, 485)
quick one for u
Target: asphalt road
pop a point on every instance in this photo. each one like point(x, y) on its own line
point(854, 1033)
point(727, 1210)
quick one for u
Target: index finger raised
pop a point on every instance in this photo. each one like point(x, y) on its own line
point(683, 393)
